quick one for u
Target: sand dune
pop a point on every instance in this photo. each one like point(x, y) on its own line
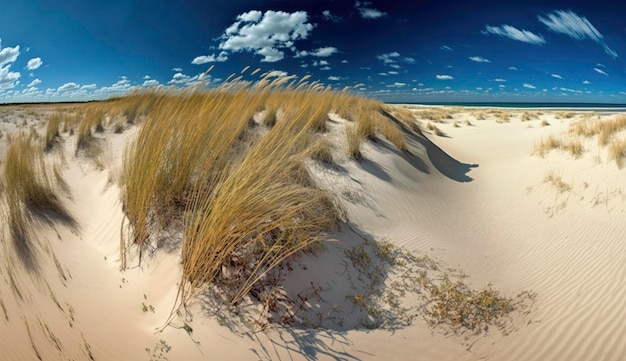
point(474, 199)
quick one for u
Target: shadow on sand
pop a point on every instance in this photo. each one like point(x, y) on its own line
point(443, 162)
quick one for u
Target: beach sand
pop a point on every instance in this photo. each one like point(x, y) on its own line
point(477, 198)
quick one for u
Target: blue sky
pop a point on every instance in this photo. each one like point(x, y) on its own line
point(406, 51)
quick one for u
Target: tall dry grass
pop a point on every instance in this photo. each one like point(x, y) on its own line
point(53, 131)
point(29, 189)
point(246, 201)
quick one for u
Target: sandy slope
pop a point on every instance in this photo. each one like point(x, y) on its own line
point(474, 199)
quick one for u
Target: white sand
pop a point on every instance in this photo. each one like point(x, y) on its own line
point(475, 200)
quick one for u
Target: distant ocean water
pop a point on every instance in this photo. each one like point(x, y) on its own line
point(596, 107)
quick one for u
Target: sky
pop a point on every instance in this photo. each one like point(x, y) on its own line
point(395, 51)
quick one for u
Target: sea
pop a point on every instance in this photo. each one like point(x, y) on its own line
point(591, 107)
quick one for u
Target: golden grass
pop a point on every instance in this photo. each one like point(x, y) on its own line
point(246, 202)
point(573, 146)
point(29, 190)
point(354, 142)
point(438, 115)
point(544, 123)
point(321, 151)
point(557, 182)
point(52, 131)
point(393, 133)
point(257, 207)
point(617, 151)
point(366, 125)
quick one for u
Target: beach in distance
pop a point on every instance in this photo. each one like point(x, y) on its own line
point(310, 224)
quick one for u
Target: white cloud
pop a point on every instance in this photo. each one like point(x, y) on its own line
point(368, 12)
point(568, 90)
point(576, 27)
point(445, 77)
point(186, 80)
point(9, 55)
point(600, 71)
point(34, 63)
point(502, 86)
point(388, 58)
point(150, 83)
point(68, 87)
point(178, 70)
point(89, 86)
point(512, 68)
point(601, 65)
point(266, 33)
point(8, 79)
point(586, 82)
point(334, 78)
point(121, 86)
point(326, 68)
point(499, 80)
point(344, 61)
point(392, 72)
point(327, 15)
point(146, 77)
point(276, 74)
point(395, 66)
point(556, 76)
point(35, 82)
point(397, 85)
point(203, 59)
point(479, 59)
point(512, 32)
point(445, 48)
point(320, 52)
point(529, 86)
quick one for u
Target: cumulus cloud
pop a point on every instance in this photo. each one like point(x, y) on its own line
point(89, 86)
point(8, 79)
point(576, 27)
point(68, 87)
point(586, 82)
point(8, 54)
point(178, 70)
point(266, 34)
point(150, 83)
point(514, 33)
point(479, 59)
point(529, 86)
point(186, 80)
point(276, 74)
point(34, 63)
point(33, 83)
point(203, 59)
point(499, 80)
point(445, 77)
point(320, 52)
point(556, 76)
point(368, 12)
point(121, 86)
point(600, 71)
point(334, 78)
